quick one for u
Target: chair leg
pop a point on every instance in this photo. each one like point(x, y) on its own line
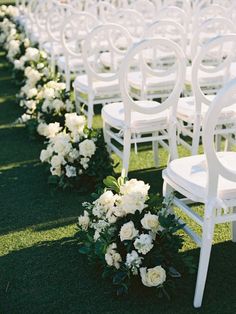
point(126, 151)
point(208, 230)
point(90, 114)
point(196, 136)
point(218, 142)
point(155, 147)
point(107, 138)
point(233, 228)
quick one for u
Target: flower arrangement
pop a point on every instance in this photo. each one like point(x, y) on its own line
point(77, 156)
point(131, 236)
point(54, 102)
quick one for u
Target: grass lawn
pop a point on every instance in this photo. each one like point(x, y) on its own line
point(41, 270)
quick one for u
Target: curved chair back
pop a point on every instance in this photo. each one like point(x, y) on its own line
point(220, 46)
point(139, 51)
point(105, 39)
point(226, 97)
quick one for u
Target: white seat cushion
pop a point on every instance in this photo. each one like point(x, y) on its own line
point(190, 173)
point(101, 89)
point(186, 110)
point(113, 114)
point(206, 80)
point(75, 64)
point(233, 70)
point(155, 85)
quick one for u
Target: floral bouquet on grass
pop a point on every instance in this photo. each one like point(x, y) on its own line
point(54, 102)
point(131, 236)
point(77, 156)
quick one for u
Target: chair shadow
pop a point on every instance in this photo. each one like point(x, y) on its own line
point(26, 200)
point(53, 277)
point(153, 176)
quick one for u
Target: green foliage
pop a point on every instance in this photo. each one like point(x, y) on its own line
point(166, 242)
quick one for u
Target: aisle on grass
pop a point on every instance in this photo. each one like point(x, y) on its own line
point(127, 231)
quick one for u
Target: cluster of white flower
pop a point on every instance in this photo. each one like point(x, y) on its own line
point(112, 257)
point(108, 211)
point(132, 197)
point(65, 148)
point(51, 95)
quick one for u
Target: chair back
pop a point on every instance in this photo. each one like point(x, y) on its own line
point(209, 29)
point(216, 167)
point(168, 29)
point(142, 52)
point(132, 20)
point(107, 39)
point(223, 49)
point(175, 14)
point(74, 31)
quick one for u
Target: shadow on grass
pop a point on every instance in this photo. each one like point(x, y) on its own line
point(53, 278)
point(153, 176)
point(27, 200)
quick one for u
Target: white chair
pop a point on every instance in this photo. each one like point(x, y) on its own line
point(74, 31)
point(55, 19)
point(134, 22)
point(131, 122)
point(206, 12)
point(207, 30)
point(168, 29)
point(208, 179)
point(103, 11)
point(99, 85)
point(175, 14)
point(158, 87)
point(191, 110)
point(146, 8)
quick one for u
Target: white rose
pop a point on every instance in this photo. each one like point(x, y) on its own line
point(32, 54)
point(31, 104)
point(62, 144)
point(74, 154)
point(41, 128)
point(74, 122)
point(150, 222)
point(135, 186)
point(84, 221)
point(57, 161)
point(49, 130)
point(32, 92)
point(40, 66)
point(56, 171)
point(58, 105)
point(49, 93)
point(18, 65)
point(87, 148)
point(45, 155)
point(128, 231)
point(112, 257)
point(153, 277)
point(26, 43)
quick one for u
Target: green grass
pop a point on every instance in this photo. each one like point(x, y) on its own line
point(41, 270)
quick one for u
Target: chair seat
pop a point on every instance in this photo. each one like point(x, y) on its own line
point(101, 89)
point(233, 70)
point(190, 174)
point(186, 110)
point(206, 80)
point(75, 64)
point(155, 85)
point(113, 114)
